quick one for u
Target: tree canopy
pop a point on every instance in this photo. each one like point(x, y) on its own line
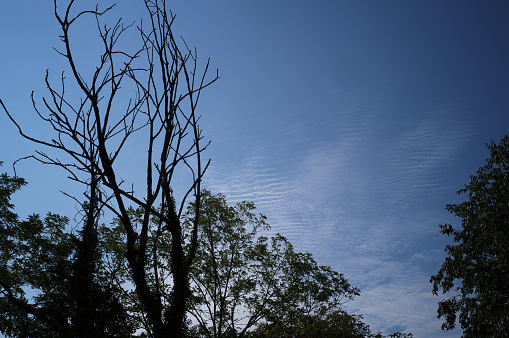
point(477, 265)
point(241, 278)
point(52, 282)
point(243, 283)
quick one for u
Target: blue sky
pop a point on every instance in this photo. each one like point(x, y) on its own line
point(350, 124)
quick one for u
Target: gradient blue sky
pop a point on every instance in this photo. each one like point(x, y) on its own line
point(350, 124)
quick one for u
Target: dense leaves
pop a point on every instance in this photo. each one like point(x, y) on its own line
point(477, 265)
point(337, 323)
point(52, 283)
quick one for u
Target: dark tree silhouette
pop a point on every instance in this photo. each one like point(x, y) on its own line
point(68, 294)
point(163, 77)
point(477, 265)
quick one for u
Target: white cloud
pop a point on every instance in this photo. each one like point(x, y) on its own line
point(358, 203)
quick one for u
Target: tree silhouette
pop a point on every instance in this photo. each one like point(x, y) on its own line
point(477, 265)
point(165, 86)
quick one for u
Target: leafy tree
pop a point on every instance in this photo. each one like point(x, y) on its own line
point(148, 94)
point(240, 278)
point(247, 284)
point(51, 281)
point(336, 323)
point(477, 265)
point(242, 283)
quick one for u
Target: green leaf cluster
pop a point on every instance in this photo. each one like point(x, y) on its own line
point(52, 281)
point(476, 268)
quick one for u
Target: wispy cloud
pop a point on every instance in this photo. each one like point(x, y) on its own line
point(358, 202)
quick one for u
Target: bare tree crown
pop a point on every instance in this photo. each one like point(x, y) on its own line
point(166, 85)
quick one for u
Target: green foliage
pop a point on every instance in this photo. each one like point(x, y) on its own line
point(336, 323)
point(477, 265)
point(246, 284)
point(240, 280)
point(51, 281)
point(225, 276)
point(64, 284)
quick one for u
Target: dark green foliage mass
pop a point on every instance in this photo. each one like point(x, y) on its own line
point(337, 323)
point(52, 283)
point(476, 268)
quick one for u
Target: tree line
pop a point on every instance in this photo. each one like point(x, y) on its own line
point(62, 283)
point(186, 263)
point(168, 265)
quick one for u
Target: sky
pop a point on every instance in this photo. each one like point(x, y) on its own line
point(350, 124)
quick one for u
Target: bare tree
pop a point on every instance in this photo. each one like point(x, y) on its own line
point(166, 84)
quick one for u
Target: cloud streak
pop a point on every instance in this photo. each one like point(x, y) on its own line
point(359, 203)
